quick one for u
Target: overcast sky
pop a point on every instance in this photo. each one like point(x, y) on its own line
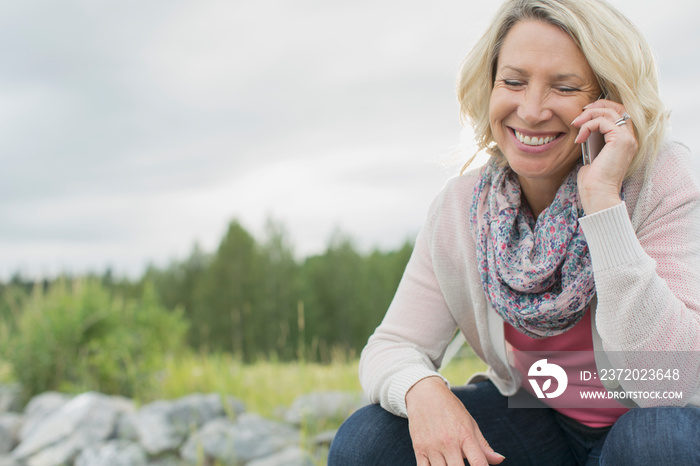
point(133, 129)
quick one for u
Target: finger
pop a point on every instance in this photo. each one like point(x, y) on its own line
point(436, 459)
point(454, 457)
point(602, 103)
point(474, 453)
point(583, 132)
point(491, 455)
point(600, 108)
point(593, 113)
point(422, 460)
point(604, 126)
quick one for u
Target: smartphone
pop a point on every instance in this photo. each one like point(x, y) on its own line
point(592, 146)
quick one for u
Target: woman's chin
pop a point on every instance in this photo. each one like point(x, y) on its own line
point(541, 167)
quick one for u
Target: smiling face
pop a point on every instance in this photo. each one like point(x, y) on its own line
point(541, 85)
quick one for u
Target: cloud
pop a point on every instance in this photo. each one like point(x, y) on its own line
point(132, 130)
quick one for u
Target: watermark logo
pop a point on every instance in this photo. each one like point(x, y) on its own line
point(542, 368)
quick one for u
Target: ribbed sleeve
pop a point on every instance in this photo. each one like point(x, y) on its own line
point(615, 241)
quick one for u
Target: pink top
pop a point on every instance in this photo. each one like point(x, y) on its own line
point(579, 342)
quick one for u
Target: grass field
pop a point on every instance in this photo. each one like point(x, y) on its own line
point(267, 385)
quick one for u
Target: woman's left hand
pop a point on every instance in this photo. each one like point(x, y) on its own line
point(600, 182)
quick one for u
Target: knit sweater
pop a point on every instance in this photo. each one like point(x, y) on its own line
point(646, 263)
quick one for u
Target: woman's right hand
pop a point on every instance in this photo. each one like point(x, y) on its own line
point(442, 430)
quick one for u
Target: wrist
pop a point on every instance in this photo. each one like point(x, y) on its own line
point(595, 199)
point(424, 387)
point(599, 203)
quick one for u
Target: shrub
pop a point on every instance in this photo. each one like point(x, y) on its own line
point(76, 336)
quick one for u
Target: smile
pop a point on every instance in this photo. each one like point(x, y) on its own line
point(533, 141)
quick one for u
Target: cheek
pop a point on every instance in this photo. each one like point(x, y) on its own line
point(501, 104)
point(571, 110)
point(496, 107)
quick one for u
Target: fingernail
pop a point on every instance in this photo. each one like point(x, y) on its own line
point(574, 120)
point(502, 457)
point(586, 106)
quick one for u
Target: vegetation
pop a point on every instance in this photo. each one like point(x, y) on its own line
point(248, 319)
point(254, 299)
point(76, 336)
point(236, 320)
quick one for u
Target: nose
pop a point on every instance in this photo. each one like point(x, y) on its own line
point(533, 107)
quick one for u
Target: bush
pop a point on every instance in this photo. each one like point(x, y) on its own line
point(76, 336)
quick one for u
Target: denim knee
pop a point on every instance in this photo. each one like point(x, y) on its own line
point(372, 436)
point(663, 435)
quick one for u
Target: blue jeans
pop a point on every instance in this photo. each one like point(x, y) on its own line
point(525, 436)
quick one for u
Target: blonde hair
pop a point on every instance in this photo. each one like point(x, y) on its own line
point(614, 47)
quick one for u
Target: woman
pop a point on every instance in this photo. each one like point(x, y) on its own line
point(535, 252)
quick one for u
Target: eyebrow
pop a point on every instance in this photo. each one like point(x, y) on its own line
point(556, 77)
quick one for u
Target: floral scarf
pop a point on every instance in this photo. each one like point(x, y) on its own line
point(536, 273)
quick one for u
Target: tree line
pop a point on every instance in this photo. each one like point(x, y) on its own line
point(253, 298)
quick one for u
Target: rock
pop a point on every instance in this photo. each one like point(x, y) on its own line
point(60, 453)
point(319, 406)
point(240, 441)
point(113, 453)
point(93, 429)
point(10, 398)
point(151, 427)
point(10, 424)
point(168, 460)
point(40, 407)
point(163, 426)
point(85, 420)
point(290, 456)
point(125, 428)
point(192, 411)
point(8, 461)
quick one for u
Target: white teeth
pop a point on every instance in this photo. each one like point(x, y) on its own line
point(534, 141)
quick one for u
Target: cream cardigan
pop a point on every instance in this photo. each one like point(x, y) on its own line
point(646, 264)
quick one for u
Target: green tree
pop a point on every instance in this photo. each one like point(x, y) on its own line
point(332, 296)
point(177, 285)
point(276, 317)
point(381, 276)
point(228, 293)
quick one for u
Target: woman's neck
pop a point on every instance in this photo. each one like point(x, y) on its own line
point(538, 194)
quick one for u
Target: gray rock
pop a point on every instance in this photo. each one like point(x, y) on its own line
point(168, 460)
point(39, 408)
point(163, 426)
point(319, 406)
point(85, 420)
point(10, 398)
point(10, 424)
point(60, 453)
point(290, 456)
point(236, 443)
point(94, 429)
point(192, 411)
point(151, 427)
point(113, 453)
point(125, 428)
point(8, 461)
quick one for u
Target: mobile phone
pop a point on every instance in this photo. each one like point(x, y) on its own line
point(592, 146)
